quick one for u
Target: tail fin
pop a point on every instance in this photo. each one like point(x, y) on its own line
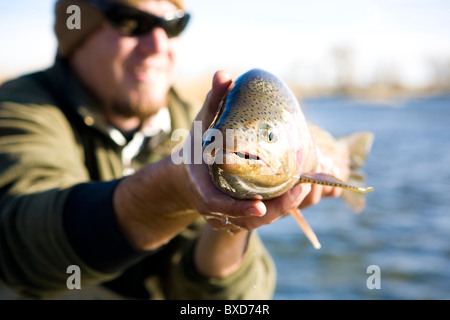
point(359, 145)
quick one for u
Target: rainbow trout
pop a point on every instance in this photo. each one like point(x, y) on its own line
point(260, 145)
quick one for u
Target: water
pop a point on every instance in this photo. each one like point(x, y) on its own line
point(405, 229)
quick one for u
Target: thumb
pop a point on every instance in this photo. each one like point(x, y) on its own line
point(220, 86)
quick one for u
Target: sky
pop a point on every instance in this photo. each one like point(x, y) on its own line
point(295, 39)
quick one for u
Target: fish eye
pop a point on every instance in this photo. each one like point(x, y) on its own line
point(267, 133)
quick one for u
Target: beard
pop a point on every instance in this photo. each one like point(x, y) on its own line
point(142, 104)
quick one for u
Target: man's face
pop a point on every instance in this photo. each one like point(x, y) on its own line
point(129, 75)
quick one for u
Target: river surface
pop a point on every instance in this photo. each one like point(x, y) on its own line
point(399, 247)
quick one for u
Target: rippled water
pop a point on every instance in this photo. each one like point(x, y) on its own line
point(405, 229)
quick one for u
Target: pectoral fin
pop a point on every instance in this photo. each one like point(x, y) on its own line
point(305, 227)
point(353, 195)
point(329, 180)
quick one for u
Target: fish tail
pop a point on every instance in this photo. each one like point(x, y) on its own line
point(359, 145)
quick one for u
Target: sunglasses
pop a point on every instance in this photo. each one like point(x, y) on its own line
point(132, 22)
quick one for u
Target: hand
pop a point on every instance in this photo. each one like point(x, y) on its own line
point(219, 253)
point(203, 195)
point(319, 191)
point(161, 199)
point(221, 210)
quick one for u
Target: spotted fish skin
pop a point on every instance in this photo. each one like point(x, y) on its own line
point(262, 146)
point(266, 140)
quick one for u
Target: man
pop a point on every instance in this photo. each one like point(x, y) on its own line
point(86, 177)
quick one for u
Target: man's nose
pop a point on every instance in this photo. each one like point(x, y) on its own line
point(156, 41)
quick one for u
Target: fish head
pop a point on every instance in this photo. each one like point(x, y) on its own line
point(259, 142)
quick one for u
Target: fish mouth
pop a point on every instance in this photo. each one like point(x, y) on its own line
point(247, 158)
point(238, 160)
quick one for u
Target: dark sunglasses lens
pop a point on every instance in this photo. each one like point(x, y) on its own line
point(175, 26)
point(132, 22)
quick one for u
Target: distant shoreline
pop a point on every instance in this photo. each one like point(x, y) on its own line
point(196, 89)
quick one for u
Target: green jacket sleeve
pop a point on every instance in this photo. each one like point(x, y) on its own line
point(39, 164)
point(254, 280)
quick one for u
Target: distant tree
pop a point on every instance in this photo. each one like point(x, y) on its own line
point(439, 71)
point(343, 57)
point(386, 74)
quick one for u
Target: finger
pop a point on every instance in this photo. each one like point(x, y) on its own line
point(327, 190)
point(275, 208)
point(220, 85)
point(335, 192)
point(313, 197)
point(211, 200)
point(299, 193)
point(216, 202)
point(291, 199)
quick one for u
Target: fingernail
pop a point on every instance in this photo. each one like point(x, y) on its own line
point(257, 210)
